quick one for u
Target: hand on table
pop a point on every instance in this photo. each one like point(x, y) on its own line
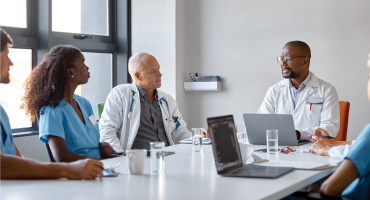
point(87, 169)
point(106, 151)
point(320, 147)
point(322, 132)
point(205, 133)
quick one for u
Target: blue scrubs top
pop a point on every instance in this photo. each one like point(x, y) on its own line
point(359, 155)
point(7, 144)
point(63, 121)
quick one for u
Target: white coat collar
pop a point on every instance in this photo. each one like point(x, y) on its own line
point(308, 91)
point(136, 96)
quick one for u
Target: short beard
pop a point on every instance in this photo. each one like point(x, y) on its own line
point(292, 75)
point(5, 80)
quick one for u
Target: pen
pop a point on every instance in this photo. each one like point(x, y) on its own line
point(327, 137)
point(111, 169)
point(191, 77)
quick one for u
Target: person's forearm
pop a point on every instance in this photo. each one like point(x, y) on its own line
point(19, 168)
point(340, 179)
point(69, 157)
point(339, 143)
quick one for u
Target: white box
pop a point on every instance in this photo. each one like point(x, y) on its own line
point(202, 86)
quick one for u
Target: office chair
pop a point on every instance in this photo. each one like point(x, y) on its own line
point(100, 107)
point(344, 114)
point(50, 154)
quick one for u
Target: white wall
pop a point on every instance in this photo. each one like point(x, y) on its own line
point(153, 30)
point(239, 41)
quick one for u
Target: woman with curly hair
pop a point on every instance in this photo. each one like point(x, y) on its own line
point(66, 120)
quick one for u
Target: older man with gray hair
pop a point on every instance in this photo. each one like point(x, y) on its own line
point(136, 114)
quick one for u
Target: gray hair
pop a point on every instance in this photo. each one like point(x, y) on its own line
point(134, 63)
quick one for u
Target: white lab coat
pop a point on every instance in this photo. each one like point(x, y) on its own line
point(113, 120)
point(325, 115)
point(340, 151)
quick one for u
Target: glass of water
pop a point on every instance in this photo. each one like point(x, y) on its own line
point(157, 157)
point(272, 141)
point(197, 139)
point(241, 133)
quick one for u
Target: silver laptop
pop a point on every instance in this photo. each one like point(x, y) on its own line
point(257, 124)
point(227, 153)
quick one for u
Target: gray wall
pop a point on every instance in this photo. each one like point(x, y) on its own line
point(239, 41)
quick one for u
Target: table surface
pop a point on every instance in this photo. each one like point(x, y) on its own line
point(188, 175)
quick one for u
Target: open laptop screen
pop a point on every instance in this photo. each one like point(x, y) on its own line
point(224, 142)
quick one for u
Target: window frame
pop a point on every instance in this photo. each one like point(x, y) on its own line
point(39, 37)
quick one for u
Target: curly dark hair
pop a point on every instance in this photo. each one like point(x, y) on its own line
point(49, 81)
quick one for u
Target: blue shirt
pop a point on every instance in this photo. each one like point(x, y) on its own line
point(359, 155)
point(63, 121)
point(294, 93)
point(7, 144)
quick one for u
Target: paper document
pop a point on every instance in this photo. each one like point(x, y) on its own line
point(189, 141)
point(295, 164)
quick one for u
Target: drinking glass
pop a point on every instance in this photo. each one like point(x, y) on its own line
point(197, 139)
point(272, 141)
point(157, 157)
point(241, 133)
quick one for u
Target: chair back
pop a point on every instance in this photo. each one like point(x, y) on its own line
point(50, 154)
point(344, 114)
point(100, 107)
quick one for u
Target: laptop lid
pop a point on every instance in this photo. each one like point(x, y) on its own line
point(224, 143)
point(257, 124)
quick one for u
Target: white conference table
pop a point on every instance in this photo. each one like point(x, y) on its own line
point(188, 175)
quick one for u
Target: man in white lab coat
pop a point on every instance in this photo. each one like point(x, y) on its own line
point(136, 114)
point(312, 101)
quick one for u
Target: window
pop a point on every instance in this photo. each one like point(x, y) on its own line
point(15, 15)
point(84, 16)
point(93, 26)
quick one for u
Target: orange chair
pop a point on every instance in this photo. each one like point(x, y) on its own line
point(344, 113)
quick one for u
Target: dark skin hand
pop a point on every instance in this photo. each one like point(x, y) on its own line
point(61, 154)
point(106, 151)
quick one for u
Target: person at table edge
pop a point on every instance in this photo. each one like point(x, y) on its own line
point(13, 166)
point(141, 110)
point(312, 101)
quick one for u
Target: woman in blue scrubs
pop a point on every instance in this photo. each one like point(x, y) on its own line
point(15, 167)
point(352, 178)
point(66, 120)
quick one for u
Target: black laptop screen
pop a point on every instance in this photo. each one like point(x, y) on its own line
point(224, 141)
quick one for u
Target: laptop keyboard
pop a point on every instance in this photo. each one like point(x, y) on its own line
point(248, 169)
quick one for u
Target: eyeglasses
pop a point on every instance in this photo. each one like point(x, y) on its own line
point(287, 59)
point(287, 150)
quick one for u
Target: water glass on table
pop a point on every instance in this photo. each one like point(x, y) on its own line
point(157, 157)
point(272, 141)
point(197, 140)
point(241, 133)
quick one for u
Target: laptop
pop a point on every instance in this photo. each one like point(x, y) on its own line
point(257, 124)
point(227, 153)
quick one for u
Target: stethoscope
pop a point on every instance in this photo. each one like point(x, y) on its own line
point(162, 101)
point(167, 113)
point(174, 118)
point(132, 103)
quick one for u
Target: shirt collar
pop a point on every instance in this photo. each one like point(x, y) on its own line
point(304, 83)
point(143, 93)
